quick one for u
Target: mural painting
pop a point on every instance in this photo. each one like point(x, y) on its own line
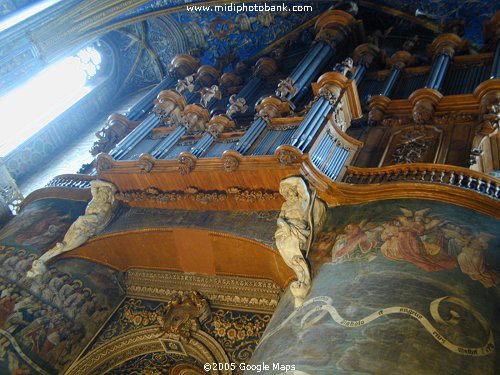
point(401, 287)
point(46, 321)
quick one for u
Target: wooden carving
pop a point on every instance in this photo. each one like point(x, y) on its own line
point(299, 215)
point(413, 144)
point(117, 127)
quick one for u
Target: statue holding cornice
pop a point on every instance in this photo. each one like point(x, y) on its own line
point(300, 214)
point(98, 214)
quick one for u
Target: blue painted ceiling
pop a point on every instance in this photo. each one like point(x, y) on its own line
point(147, 34)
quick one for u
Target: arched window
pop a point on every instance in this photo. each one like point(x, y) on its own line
point(26, 109)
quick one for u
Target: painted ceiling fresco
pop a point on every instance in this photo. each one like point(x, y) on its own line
point(216, 38)
point(230, 36)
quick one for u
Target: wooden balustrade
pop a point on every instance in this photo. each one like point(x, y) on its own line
point(426, 173)
point(73, 181)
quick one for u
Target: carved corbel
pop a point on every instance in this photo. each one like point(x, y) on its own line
point(288, 155)
point(187, 162)
point(168, 107)
point(364, 54)
point(424, 103)
point(445, 44)
point(229, 83)
point(333, 82)
point(219, 124)
point(146, 163)
point(273, 107)
point(117, 126)
point(207, 76)
point(333, 26)
point(265, 67)
point(194, 118)
point(301, 216)
point(231, 160)
point(183, 65)
point(401, 60)
point(104, 162)
point(378, 105)
point(98, 214)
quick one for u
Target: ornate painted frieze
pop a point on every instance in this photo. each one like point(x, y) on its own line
point(222, 291)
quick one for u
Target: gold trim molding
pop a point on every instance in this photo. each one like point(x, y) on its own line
point(226, 292)
point(113, 353)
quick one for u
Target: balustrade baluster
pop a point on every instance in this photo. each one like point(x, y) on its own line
point(424, 174)
point(433, 173)
point(441, 177)
point(452, 178)
point(460, 179)
point(469, 182)
point(479, 183)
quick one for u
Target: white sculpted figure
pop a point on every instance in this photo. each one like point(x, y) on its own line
point(97, 215)
point(294, 230)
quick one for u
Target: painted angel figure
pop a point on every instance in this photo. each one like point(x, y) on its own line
point(357, 241)
point(404, 240)
point(471, 259)
point(97, 215)
point(236, 105)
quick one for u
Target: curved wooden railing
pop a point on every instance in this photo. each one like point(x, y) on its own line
point(74, 181)
point(427, 173)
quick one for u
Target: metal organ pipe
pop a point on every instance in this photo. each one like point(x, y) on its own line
point(250, 136)
point(202, 145)
point(133, 138)
point(359, 75)
point(390, 82)
point(313, 71)
point(145, 104)
point(306, 61)
point(309, 126)
point(495, 69)
point(161, 150)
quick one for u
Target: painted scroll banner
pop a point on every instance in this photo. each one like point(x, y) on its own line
point(316, 313)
